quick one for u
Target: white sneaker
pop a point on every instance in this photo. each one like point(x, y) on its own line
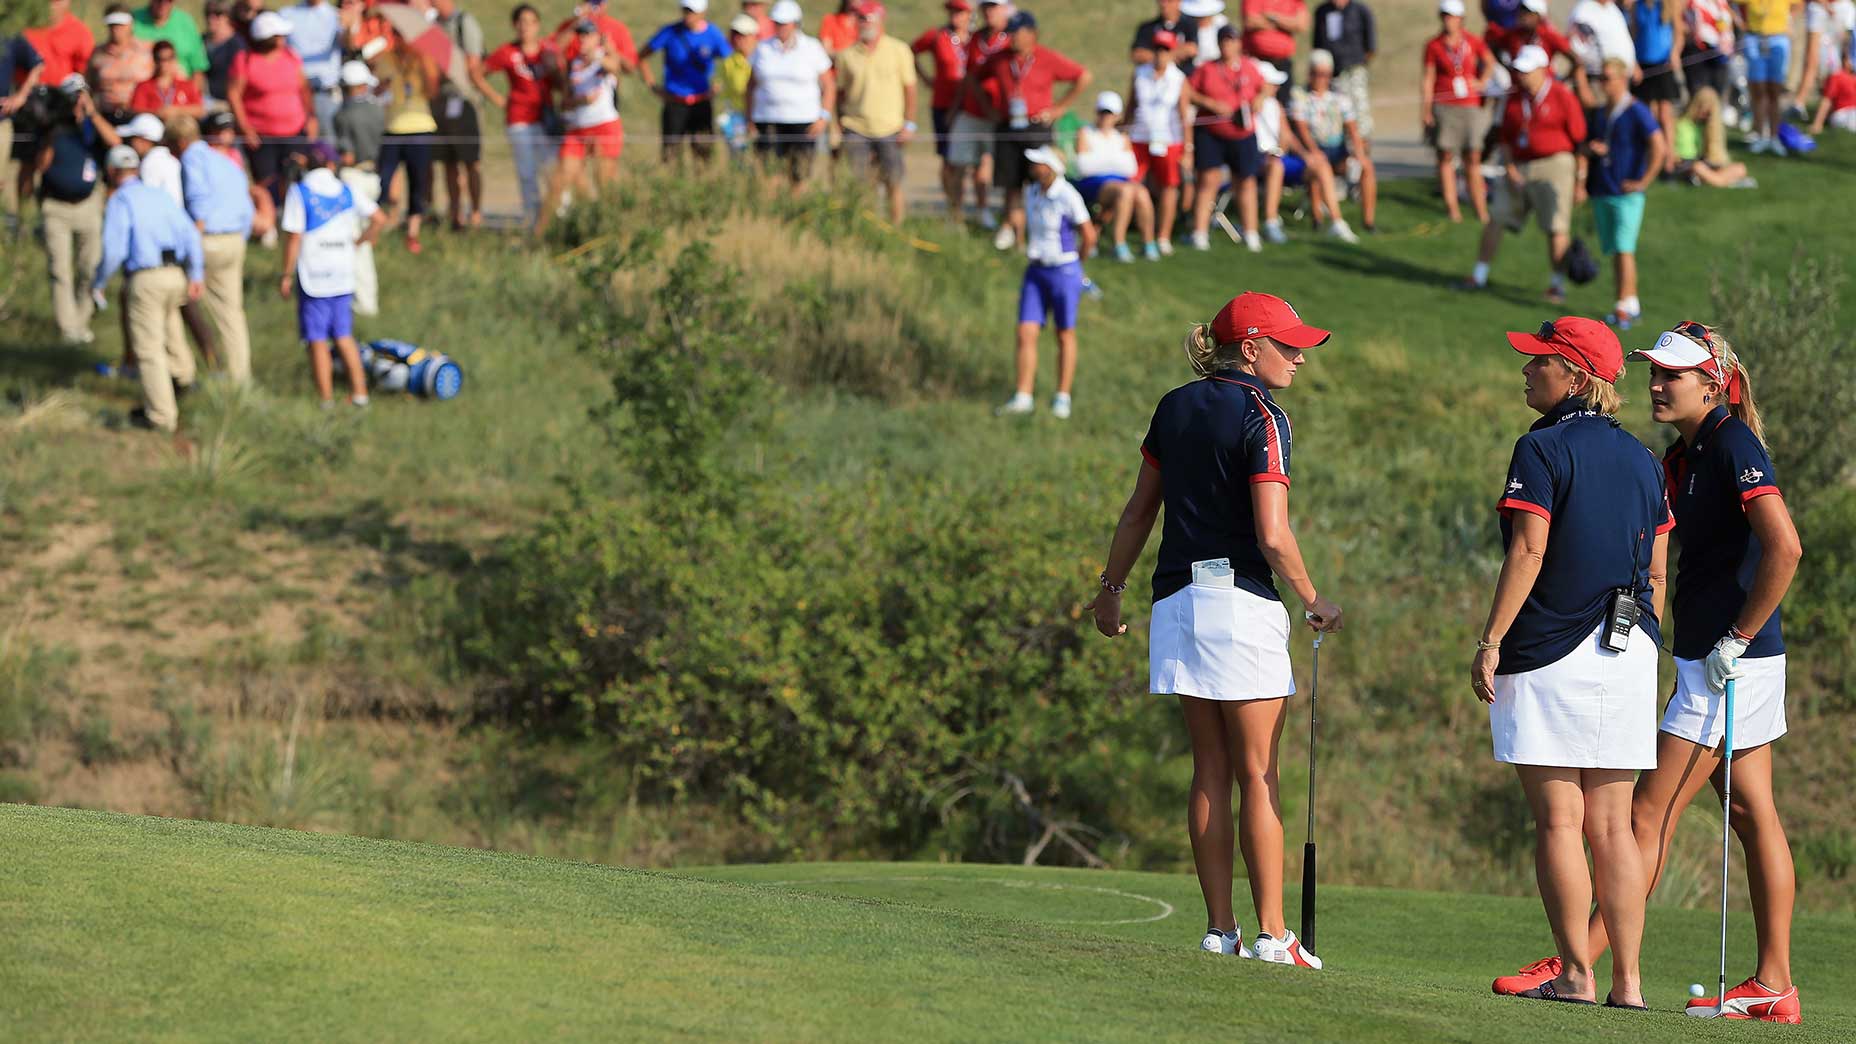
point(1775, 148)
point(1199, 241)
point(1231, 945)
point(1287, 950)
point(1016, 406)
point(1253, 243)
point(1272, 231)
point(1060, 406)
point(1342, 231)
point(1005, 238)
point(1166, 248)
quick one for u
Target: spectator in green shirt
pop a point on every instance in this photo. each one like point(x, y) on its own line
point(160, 20)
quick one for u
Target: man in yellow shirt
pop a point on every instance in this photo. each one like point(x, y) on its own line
point(1767, 47)
point(876, 102)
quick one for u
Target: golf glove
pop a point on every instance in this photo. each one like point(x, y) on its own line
point(1724, 661)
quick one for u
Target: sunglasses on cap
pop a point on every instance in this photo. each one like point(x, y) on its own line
point(1714, 369)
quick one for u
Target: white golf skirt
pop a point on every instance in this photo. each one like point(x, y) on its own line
point(1593, 708)
point(1219, 643)
point(1695, 712)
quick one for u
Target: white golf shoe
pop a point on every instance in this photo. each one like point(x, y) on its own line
point(1060, 406)
point(1287, 950)
point(1231, 945)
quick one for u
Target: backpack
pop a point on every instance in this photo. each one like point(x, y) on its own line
point(1581, 266)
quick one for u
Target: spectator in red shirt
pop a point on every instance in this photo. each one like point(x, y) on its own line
point(1270, 28)
point(1456, 69)
point(970, 146)
point(531, 67)
point(1225, 136)
point(63, 42)
point(1024, 105)
point(618, 37)
point(1542, 129)
point(168, 93)
point(1838, 109)
point(838, 31)
point(946, 46)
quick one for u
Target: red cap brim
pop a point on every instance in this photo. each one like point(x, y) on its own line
point(1532, 344)
point(1302, 336)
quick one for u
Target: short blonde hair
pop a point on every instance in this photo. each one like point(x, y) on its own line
point(1601, 396)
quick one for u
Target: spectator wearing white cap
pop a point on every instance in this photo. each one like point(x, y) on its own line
point(361, 122)
point(791, 94)
point(160, 169)
point(1287, 157)
point(1058, 235)
point(1105, 178)
point(1157, 126)
point(731, 81)
point(150, 237)
point(118, 64)
point(1457, 67)
point(691, 47)
point(876, 103)
point(1324, 121)
point(271, 100)
point(1542, 129)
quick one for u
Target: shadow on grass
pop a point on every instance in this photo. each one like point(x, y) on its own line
point(1356, 262)
point(371, 525)
point(33, 356)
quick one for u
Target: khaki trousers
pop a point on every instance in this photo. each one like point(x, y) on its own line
point(155, 296)
point(225, 302)
point(9, 182)
point(73, 249)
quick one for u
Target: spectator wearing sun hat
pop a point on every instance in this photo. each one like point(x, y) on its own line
point(1058, 235)
point(1347, 30)
point(271, 100)
point(118, 65)
point(876, 103)
point(691, 46)
point(791, 94)
point(147, 235)
point(1542, 129)
point(1025, 104)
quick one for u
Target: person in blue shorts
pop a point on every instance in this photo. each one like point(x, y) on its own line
point(1767, 47)
point(692, 48)
point(1626, 149)
point(1058, 235)
point(1105, 176)
point(326, 222)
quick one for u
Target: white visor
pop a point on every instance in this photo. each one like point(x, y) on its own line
point(1674, 351)
point(1047, 156)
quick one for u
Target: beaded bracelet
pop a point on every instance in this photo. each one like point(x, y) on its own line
point(1113, 588)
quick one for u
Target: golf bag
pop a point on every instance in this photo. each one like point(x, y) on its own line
point(398, 366)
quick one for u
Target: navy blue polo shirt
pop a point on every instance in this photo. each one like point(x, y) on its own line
point(1626, 135)
point(17, 58)
point(1602, 493)
point(1211, 440)
point(1710, 485)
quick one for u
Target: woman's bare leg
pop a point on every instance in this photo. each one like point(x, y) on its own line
point(1770, 876)
point(1557, 798)
point(1255, 729)
point(1617, 871)
point(1208, 809)
point(1657, 803)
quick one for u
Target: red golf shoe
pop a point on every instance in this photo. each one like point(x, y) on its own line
point(1751, 1000)
point(1544, 970)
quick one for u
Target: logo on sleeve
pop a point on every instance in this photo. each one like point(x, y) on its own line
point(1514, 485)
point(1750, 476)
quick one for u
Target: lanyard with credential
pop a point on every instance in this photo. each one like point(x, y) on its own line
point(1527, 113)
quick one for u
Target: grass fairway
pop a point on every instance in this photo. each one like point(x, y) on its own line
point(125, 927)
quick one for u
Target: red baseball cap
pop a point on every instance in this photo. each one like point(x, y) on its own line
point(1165, 40)
point(870, 9)
point(958, 5)
point(1251, 314)
point(1587, 343)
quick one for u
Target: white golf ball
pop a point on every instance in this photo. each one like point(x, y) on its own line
point(1695, 990)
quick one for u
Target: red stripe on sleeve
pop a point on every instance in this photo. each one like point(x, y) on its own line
point(1756, 492)
point(1152, 461)
point(1668, 524)
point(1511, 504)
point(1269, 476)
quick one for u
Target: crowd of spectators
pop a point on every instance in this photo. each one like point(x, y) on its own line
point(1526, 120)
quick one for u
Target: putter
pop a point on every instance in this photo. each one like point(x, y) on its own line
point(1727, 795)
point(1308, 847)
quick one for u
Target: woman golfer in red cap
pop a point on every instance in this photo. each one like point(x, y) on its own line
point(1217, 456)
point(1739, 552)
point(1567, 659)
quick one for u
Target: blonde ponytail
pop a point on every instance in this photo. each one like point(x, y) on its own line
point(1746, 409)
point(1206, 355)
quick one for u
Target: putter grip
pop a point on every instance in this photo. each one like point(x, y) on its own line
point(1308, 895)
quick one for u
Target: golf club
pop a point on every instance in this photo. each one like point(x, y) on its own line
point(1727, 797)
point(1308, 847)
